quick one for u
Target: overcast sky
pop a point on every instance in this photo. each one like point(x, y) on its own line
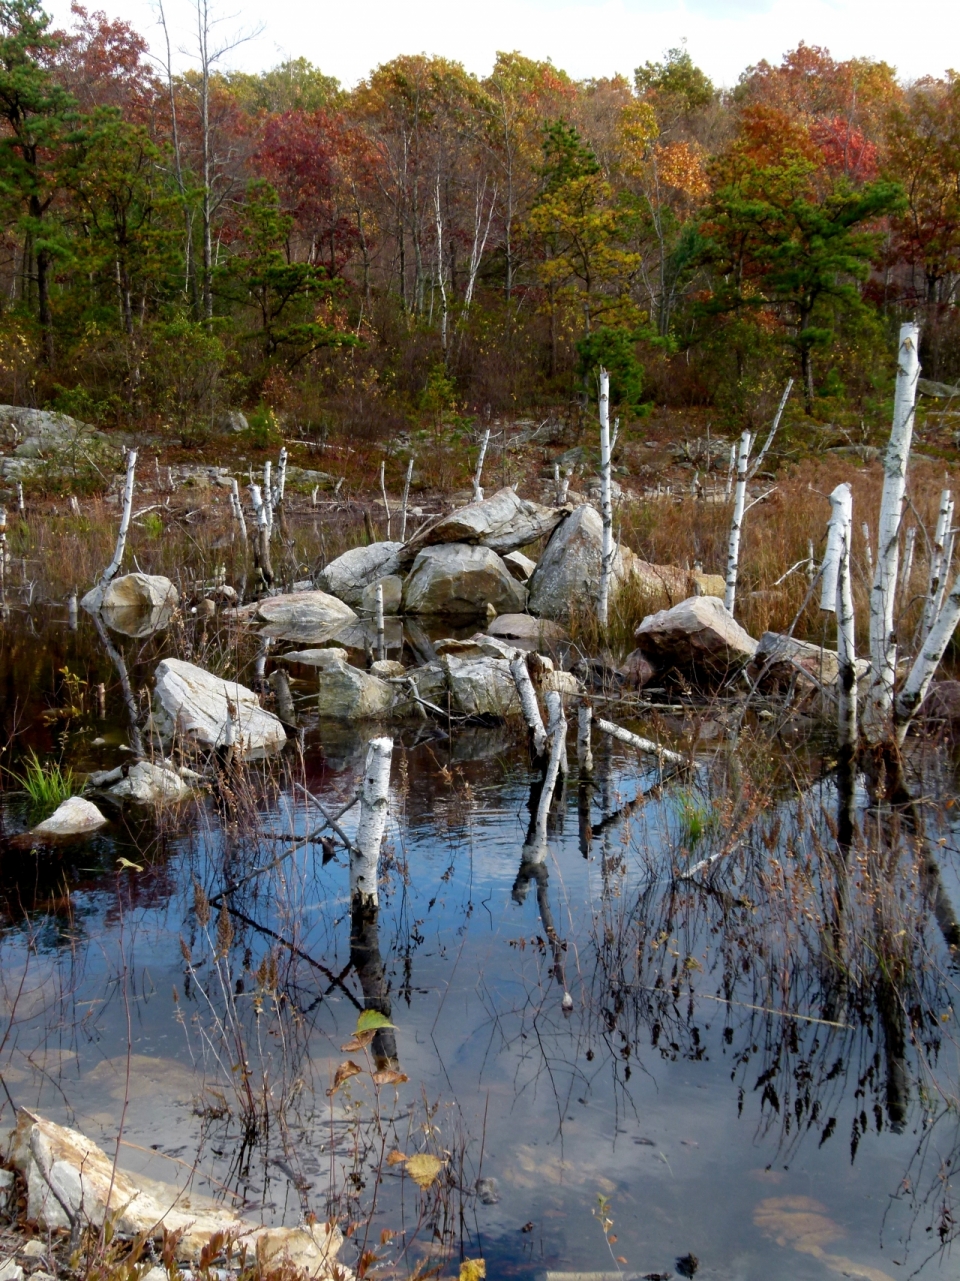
point(584, 37)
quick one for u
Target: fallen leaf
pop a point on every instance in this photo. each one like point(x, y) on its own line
point(344, 1072)
point(424, 1168)
point(389, 1077)
point(358, 1042)
point(396, 1157)
point(125, 862)
point(371, 1021)
point(473, 1270)
point(386, 1235)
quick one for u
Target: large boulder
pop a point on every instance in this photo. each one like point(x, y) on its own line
point(194, 703)
point(134, 604)
point(460, 581)
point(348, 575)
point(781, 661)
point(503, 522)
point(309, 617)
point(699, 636)
point(392, 587)
point(568, 572)
point(346, 692)
point(73, 817)
point(70, 1180)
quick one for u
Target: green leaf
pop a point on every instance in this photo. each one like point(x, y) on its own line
point(372, 1021)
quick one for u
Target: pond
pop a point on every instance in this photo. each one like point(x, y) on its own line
point(690, 1033)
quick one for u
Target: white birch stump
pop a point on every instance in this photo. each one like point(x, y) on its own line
point(883, 641)
point(846, 644)
point(558, 751)
point(733, 546)
point(477, 490)
point(381, 632)
point(383, 492)
point(237, 508)
point(841, 501)
point(268, 494)
point(374, 798)
point(606, 502)
point(404, 501)
point(584, 746)
point(528, 703)
point(114, 567)
point(645, 745)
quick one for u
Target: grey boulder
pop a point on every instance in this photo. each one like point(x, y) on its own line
point(193, 702)
point(346, 692)
point(348, 575)
point(568, 572)
point(310, 616)
point(520, 566)
point(146, 783)
point(460, 581)
point(392, 595)
point(73, 817)
point(503, 522)
point(134, 604)
point(781, 660)
point(699, 635)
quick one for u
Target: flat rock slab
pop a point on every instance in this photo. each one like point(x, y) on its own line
point(460, 581)
point(348, 575)
point(698, 635)
point(72, 817)
point(504, 522)
point(304, 616)
point(69, 1178)
point(526, 628)
point(193, 702)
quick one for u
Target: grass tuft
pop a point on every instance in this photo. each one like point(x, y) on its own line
point(47, 786)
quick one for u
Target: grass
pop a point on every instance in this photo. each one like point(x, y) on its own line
point(47, 786)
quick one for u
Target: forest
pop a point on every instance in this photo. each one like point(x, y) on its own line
point(180, 243)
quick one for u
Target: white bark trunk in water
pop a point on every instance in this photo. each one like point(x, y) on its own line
point(374, 797)
point(584, 748)
point(113, 568)
point(558, 752)
point(641, 744)
point(883, 643)
point(528, 703)
point(733, 547)
point(842, 499)
point(237, 508)
point(404, 501)
point(927, 661)
point(381, 633)
point(268, 494)
point(936, 559)
point(606, 502)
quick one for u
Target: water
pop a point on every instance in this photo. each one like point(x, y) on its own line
point(715, 1082)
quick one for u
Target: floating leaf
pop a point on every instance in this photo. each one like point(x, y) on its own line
point(396, 1157)
point(125, 863)
point(358, 1042)
point(372, 1021)
point(389, 1077)
point(424, 1168)
point(344, 1072)
point(473, 1270)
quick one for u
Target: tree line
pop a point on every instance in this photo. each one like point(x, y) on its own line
point(430, 241)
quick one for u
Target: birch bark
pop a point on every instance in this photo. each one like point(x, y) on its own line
point(733, 546)
point(374, 796)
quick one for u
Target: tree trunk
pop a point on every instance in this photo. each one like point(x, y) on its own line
point(736, 524)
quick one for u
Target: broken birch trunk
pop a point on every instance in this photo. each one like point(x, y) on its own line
point(374, 797)
point(529, 705)
point(113, 568)
point(477, 489)
point(606, 502)
point(883, 641)
point(736, 524)
point(584, 746)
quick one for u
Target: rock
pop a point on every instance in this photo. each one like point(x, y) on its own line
point(304, 616)
point(386, 668)
point(708, 584)
point(73, 817)
point(392, 595)
point(568, 572)
point(71, 1180)
point(193, 702)
point(34, 1249)
point(149, 784)
point(540, 631)
point(636, 670)
point(503, 522)
point(481, 686)
point(460, 581)
point(308, 657)
point(696, 636)
point(134, 604)
point(11, 1271)
point(488, 1191)
point(41, 432)
point(231, 420)
point(347, 693)
point(781, 660)
point(348, 575)
point(520, 566)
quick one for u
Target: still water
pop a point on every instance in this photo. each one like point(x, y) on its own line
point(602, 1040)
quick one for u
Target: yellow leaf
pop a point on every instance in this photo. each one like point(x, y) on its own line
point(424, 1168)
point(344, 1072)
point(125, 862)
point(473, 1270)
point(359, 1042)
point(396, 1157)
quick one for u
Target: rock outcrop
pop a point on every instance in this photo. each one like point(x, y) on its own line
point(698, 636)
point(460, 581)
point(194, 703)
point(348, 575)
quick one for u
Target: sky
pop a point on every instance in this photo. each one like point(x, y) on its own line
point(586, 38)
